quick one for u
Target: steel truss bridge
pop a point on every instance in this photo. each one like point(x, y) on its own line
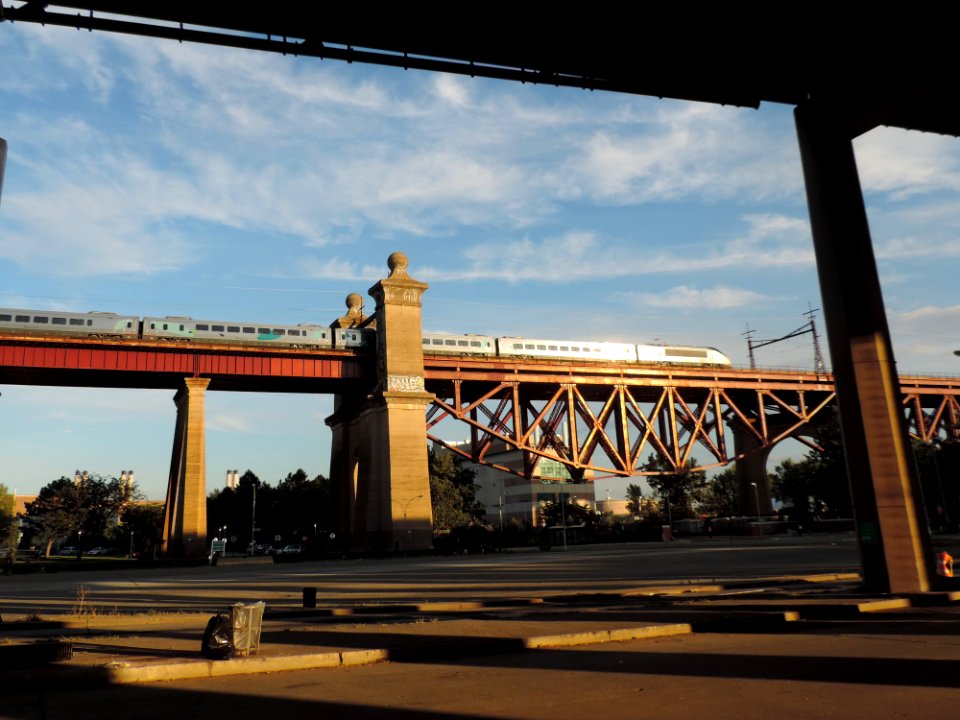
point(609, 418)
point(600, 417)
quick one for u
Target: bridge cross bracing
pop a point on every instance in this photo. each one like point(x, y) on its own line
point(609, 419)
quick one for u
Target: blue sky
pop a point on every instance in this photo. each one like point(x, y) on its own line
point(154, 178)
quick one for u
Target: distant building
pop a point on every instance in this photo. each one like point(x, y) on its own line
point(507, 497)
point(233, 479)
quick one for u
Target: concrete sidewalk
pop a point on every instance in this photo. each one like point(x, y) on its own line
point(112, 649)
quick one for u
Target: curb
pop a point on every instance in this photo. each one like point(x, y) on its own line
point(119, 674)
point(122, 674)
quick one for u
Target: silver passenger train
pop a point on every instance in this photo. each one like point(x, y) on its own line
point(111, 325)
point(573, 349)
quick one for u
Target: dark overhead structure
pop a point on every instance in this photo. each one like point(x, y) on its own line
point(844, 77)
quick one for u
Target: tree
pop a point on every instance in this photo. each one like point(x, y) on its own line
point(452, 493)
point(142, 528)
point(8, 520)
point(555, 512)
point(720, 494)
point(817, 485)
point(634, 500)
point(682, 491)
point(65, 507)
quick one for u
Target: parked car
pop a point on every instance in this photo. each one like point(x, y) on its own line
point(97, 551)
point(292, 550)
point(67, 550)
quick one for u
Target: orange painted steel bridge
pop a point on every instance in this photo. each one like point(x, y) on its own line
point(608, 418)
point(604, 418)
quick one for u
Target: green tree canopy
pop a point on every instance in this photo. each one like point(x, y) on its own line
point(8, 521)
point(65, 507)
point(634, 500)
point(816, 485)
point(681, 491)
point(719, 497)
point(452, 493)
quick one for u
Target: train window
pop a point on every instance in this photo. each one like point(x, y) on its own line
point(564, 348)
point(426, 341)
point(41, 319)
point(76, 321)
point(437, 341)
point(89, 323)
point(295, 333)
point(450, 342)
point(474, 343)
point(129, 323)
point(249, 330)
point(233, 328)
point(263, 331)
point(528, 347)
point(463, 343)
point(541, 347)
point(181, 327)
point(23, 318)
point(216, 328)
point(58, 321)
point(153, 326)
point(204, 327)
point(277, 331)
point(552, 347)
point(684, 352)
point(6, 318)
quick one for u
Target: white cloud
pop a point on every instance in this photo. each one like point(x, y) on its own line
point(689, 149)
point(683, 297)
point(916, 247)
point(452, 90)
point(905, 163)
point(925, 338)
point(770, 241)
point(230, 424)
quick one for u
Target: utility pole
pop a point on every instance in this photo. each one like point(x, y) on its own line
point(253, 521)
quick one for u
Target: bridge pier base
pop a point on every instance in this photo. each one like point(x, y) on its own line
point(185, 513)
point(752, 469)
point(894, 546)
point(378, 463)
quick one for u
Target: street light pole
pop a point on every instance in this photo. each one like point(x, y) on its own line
point(253, 520)
point(756, 497)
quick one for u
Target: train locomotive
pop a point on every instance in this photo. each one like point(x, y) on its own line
point(186, 329)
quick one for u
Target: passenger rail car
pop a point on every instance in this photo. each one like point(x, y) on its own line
point(573, 349)
point(184, 328)
point(111, 325)
point(94, 324)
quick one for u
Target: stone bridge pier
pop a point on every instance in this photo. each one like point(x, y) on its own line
point(378, 462)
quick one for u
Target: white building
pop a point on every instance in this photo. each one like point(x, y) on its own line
point(507, 497)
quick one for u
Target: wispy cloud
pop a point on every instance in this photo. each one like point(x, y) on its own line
point(905, 163)
point(770, 241)
point(689, 149)
point(686, 298)
point(230, 424)
point(925, 338)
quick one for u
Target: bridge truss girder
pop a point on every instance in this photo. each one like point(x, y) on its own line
point(612, 429)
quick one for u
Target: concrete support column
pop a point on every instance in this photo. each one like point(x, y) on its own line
point(893, 545)
point(185, 515)
point(752, 469)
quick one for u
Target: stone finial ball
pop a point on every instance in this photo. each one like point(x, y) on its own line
point(397, 260)
point(354, 300)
